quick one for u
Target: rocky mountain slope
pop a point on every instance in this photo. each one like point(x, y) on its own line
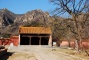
point(10, 22)
point(6, 17)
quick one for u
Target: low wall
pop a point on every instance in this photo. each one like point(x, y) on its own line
point(12, 39)
point(65, 43)
point(15, 41)
point(85, 44)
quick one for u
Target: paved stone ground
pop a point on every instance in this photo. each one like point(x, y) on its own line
point(38, 53)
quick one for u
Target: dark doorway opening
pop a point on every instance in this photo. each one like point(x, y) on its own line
point(35, 40)
point(24, 41)
point(44, 40)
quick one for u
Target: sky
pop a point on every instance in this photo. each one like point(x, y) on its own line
point(23, 6)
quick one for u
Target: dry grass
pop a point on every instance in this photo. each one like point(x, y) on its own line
point(21, 56)
point(81, 54)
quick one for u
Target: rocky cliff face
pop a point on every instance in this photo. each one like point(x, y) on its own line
point(35, 15)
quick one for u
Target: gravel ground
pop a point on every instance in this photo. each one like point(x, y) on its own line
point(36, 53)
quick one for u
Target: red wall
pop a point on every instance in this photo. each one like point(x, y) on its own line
point(12, 39)
point(85, 44)
point(15, 41)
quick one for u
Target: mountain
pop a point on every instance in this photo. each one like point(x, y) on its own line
point(6, 17)
point(10, 22)
point(35, 15)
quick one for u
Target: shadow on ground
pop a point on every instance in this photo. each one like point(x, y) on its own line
point(6, 56)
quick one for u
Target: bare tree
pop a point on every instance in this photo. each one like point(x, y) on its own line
point(58, 29)
point(74, 8)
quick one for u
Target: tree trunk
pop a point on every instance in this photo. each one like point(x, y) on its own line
point(76, 45)
point(81, 47)
point(69, 43)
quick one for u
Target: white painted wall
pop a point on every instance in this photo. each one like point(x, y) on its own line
point(50, 40)
point(19, 40)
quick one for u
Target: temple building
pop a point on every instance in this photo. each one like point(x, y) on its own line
point(35, 36)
